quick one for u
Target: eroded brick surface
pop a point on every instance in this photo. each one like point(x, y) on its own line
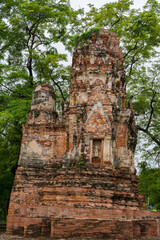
point(76, 177)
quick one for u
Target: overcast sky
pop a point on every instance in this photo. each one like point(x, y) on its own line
point(98, 3)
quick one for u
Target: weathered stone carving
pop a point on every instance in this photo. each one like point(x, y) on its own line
point(76, 177)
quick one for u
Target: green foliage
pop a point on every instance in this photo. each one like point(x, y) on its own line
point(149, 185)
point(81, 161)
point(28, 56)
point(13, 113)
point(80, 39)
point(76, 163)
point(144, 92)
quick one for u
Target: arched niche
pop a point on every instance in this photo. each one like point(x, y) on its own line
point(98, 128)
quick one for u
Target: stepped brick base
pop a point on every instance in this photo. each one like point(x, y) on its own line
point(79, 203)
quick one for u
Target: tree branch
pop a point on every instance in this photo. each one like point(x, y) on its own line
point(132, 63)
point(149, 134)
point(59, 88)
point(19, 94)
point(118, 20)
point(135, 46)
point(145, 130)
point(151, 113)
point(29, 67)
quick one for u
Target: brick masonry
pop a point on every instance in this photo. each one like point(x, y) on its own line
point(76, 177)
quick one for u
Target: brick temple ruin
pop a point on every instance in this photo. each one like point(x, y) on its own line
point(76, 177)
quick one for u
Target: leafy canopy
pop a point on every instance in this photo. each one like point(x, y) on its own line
point(28, 56)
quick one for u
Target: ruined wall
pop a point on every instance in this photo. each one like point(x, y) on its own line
point(76, 176)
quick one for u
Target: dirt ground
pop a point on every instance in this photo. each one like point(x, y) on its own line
point(4, 236)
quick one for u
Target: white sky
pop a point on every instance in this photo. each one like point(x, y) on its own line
point(98, 3)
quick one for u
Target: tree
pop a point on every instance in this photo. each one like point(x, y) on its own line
point(149, 185)
point(28, 56)
point(144, 92)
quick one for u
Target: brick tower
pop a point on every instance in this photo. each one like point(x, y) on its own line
point(99, 124)
point(76, 176)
